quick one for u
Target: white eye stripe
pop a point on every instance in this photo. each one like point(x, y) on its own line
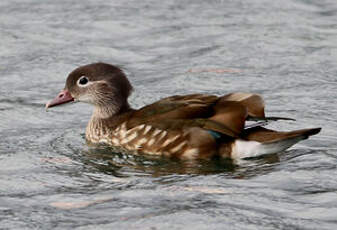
point(88, 82)
point(83, 81)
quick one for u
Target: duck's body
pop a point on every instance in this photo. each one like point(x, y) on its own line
point(190, 126)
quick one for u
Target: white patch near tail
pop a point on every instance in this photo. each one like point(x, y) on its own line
point(245, 149)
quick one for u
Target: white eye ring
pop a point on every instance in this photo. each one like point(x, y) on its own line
point(82, 81)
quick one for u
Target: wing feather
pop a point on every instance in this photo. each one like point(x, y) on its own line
point(226, 114)
point(253, 102)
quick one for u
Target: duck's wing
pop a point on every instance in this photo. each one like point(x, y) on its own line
point(177, 107)
point(253, 102)
point(255, 106)
point(197, 110)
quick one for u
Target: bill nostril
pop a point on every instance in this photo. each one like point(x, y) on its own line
point(61, 95)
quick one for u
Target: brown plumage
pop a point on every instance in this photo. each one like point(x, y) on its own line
point(189, 126)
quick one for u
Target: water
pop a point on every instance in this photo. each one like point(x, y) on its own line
point(50, 178)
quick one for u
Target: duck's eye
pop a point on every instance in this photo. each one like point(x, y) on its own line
point(83, 80)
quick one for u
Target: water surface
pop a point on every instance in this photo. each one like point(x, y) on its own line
point(50, 178)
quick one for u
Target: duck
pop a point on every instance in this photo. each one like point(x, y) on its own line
point(194, 126)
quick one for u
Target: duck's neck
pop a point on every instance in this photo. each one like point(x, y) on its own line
point(107, 112)
point(105, 119)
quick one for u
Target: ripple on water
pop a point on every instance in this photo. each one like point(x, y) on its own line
point(50, 178)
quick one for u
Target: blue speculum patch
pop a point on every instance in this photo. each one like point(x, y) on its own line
point(216, 135)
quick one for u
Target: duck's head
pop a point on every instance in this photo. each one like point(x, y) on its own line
point(102, 85)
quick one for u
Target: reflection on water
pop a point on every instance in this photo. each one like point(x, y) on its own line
point(51, 179)
point(108, 160)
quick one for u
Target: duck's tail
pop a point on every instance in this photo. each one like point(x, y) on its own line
point(259, 141)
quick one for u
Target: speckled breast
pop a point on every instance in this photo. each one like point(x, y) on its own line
point(145, 139)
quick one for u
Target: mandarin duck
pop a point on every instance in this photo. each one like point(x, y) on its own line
point(182, 126)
